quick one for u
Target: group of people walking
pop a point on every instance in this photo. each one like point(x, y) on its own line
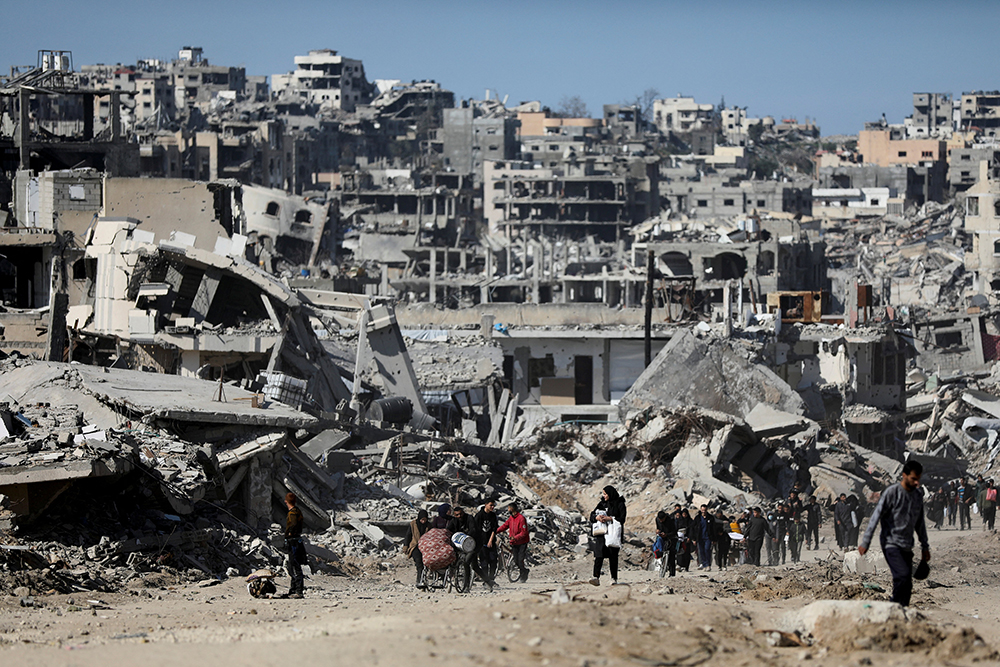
point(959, 500)
point(483, 529)
point(788, 526)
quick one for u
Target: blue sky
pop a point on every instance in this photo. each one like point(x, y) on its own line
point(840, 63)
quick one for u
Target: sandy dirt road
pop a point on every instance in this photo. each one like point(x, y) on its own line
point(695, 618)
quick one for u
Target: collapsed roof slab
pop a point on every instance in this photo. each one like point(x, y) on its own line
point(204, 259)
point(186, 399)
point(107, 392)
point(44, 382)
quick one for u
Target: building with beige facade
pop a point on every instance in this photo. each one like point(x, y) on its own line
point(879, 147)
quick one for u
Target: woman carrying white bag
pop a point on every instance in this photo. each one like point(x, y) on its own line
point(608, 519)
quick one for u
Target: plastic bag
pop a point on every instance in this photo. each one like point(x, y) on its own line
point(613, 538)
point(600, 528)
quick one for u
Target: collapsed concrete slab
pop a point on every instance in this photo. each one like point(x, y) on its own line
point(708, 373)
point(829, 482)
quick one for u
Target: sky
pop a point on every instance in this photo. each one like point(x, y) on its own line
point(839, 63)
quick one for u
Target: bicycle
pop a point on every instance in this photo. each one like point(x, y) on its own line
point(456, 576)
point(507, 562)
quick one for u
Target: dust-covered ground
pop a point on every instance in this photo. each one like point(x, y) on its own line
point(711, 618)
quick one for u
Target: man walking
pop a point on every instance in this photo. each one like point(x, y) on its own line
point(519, 538)
point(704, 533)
point(722, 540)
point(900, 512)
point(962, 495)
point(842, 517)
point(814, 517)
point(294, 546)
point(781, 520)
point(757, 529)
point(666, 530)
point(486, 528)
point(988, 504)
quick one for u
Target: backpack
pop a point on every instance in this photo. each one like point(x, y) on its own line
point(991, 495)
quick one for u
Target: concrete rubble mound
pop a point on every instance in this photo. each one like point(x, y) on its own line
point(712, 373)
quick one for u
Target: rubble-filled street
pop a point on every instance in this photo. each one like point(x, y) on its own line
point(301, 366)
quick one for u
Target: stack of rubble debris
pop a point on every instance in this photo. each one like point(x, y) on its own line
point(919, 258)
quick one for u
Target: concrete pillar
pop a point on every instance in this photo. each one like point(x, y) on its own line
point(257, 491)
point(116, 116)
point(521, 388)
point(24, 128)
point(433, 280)
point(727, 308)
point(484, 290)
point(190, 362)
point(536, 274)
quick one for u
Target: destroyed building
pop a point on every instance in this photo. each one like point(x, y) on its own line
point(327, 79)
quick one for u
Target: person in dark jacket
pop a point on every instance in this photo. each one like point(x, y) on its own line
point(666, 530)
point(611, 508)
point(814, 517)
point(797, 532)
point(794, 505)
point(443, 516)
point(781, 522)
point(963, 499)
point(757, 529)
point(294, 546)
point(842, 520)
point(418, 527)
point(853, 521)
point(704, 535)
point(464, 523)
point(486, 529)
point(722, 540)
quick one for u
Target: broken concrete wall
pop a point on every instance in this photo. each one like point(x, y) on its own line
point(709, 373)
point(164, 206)
point(295, 226)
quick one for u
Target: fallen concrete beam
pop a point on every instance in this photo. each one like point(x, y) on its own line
point(318, 473)
point(265, 443)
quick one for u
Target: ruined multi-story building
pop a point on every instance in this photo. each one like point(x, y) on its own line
point(472, 136)
point(982, 221)
point(326, 79)
point(980, 112)
point(933, 116)
point(579, 198)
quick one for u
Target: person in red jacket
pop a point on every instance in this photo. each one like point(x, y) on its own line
point(519, 538)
